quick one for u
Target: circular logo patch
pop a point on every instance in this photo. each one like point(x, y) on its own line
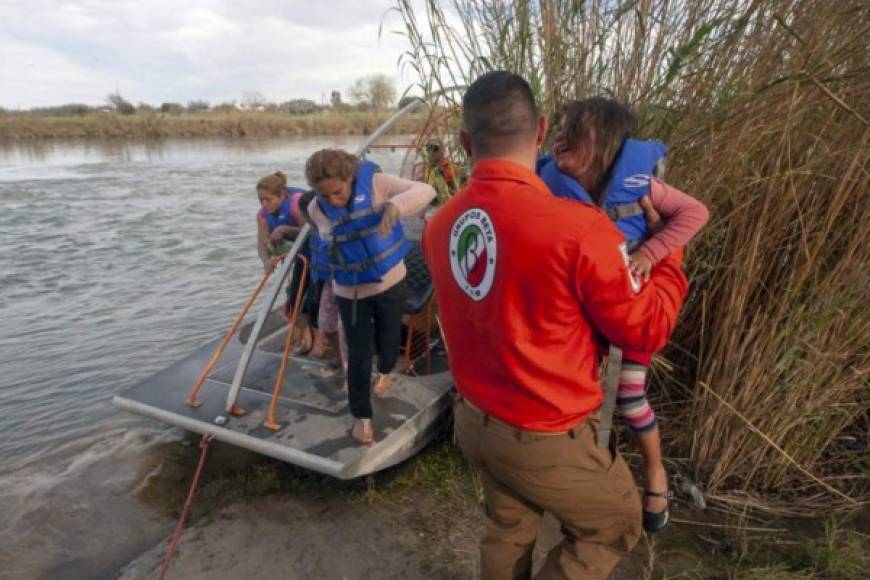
point(473, 250)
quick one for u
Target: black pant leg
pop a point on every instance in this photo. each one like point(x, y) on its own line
point(297, 280)
point(387, 309)
point(311, 304)
point(358, 330)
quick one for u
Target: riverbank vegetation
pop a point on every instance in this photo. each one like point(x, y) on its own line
point(371, 101)
point(763, 394)
point(155, 125)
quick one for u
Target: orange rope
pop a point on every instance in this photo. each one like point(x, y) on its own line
point(279, 382)
point(203, 444)
point(191, 398)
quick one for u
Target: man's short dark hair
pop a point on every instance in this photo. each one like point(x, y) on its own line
point(498, 110)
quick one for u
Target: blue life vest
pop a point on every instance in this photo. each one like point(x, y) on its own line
point(357, 253)
point(284, 215)
point(629, 181)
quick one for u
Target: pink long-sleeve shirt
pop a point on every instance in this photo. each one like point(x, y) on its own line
point(683, 217)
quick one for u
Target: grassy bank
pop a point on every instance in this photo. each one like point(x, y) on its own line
point(25, 126)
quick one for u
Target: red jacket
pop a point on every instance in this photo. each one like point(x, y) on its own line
point(525, 283)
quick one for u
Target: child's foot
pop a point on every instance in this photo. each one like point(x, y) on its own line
point(382, 386)
point(305, 343)
point(363, 432)
point(656, 512)
point(656, 482)
point(318, 347)
point(331, 368)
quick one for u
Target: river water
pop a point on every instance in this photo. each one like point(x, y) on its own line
point(116, 260)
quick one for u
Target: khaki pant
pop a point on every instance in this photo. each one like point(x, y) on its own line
point(589, 490)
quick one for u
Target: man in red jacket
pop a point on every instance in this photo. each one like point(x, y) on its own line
point(527, 285)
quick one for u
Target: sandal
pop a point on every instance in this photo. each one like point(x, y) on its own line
point(654, 522)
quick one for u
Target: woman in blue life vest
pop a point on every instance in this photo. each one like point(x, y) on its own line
point(596, 161)
point(357, 211)
point(278, 223)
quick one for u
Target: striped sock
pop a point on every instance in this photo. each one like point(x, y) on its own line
point(631, 398)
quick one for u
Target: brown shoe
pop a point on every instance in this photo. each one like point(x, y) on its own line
point(382, 386)
point(363, 432)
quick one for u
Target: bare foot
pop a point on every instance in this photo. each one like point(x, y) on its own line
point(656, 481)
point(304, 344)
point(382, 386)
point(332, 368)
point(363, 432)
point(318, 346)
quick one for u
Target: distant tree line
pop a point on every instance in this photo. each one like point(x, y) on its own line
point(371, 93)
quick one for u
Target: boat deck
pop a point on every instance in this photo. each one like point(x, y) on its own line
point(312, 409)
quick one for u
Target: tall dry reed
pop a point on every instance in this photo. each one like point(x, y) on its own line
point(765, 106)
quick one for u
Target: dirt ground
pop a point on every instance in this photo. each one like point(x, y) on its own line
point(287, 538)
point(423, 519)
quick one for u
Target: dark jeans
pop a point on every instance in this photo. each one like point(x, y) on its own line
point(378, 320)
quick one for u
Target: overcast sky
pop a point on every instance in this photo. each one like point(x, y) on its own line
point(63, 51)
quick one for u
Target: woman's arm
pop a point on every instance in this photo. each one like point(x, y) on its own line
point(318, 219)
point(683, 217)
point(263, 242)
point(409, 197)
point(283, 231)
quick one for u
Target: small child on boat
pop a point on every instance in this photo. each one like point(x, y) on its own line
point(320, 296)
point(596, 161)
